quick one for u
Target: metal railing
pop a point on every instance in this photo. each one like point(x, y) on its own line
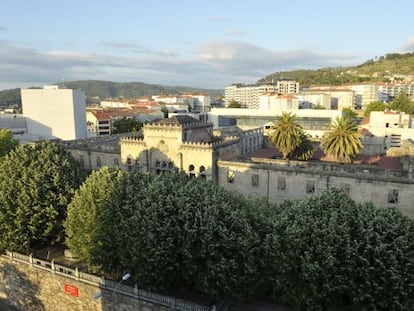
point(134, 292)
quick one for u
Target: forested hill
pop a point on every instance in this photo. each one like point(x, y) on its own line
point(378, 69)
point(97, 90)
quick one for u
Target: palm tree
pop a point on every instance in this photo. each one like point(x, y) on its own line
point(287, 135)
point(342, 141)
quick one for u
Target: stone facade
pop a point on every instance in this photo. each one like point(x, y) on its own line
point(280, 180)
point(187, 144)
point(38, 285)
point(222, 156)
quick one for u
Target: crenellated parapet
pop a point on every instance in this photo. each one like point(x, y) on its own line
point(187, 125)
point(211, 145)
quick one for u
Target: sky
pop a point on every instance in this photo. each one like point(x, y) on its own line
point(207, 44)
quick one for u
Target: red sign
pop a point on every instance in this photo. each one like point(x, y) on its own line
point(71, 290)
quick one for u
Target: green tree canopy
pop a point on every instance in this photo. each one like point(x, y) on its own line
point(349, 113)
point(7, 142)
point(86, 211)
point(233, 104)
point(342, 141)
point(125, 125)
point(318, 253)
point(288, 137)
point(37, 183)
point(402, 103)
point(375, 106)
point(328, 251)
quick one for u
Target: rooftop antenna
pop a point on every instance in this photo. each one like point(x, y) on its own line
point(63, 81)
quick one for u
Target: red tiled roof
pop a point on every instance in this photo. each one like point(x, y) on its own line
point(380, 161)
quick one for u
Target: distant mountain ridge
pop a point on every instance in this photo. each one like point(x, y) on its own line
point(97, 90)
point(378, 69)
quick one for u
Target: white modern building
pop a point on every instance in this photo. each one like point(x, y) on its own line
point(53, 113)
point(248, 95)
point(276, 102)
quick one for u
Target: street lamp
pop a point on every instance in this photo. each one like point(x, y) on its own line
point(125, 277)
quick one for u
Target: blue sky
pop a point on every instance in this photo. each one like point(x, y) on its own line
point(208, 44)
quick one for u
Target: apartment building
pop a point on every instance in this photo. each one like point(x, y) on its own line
point(274, 101)
point(248, 95)
point(330, 98)
point(391, 90)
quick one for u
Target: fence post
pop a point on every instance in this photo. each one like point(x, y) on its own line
point(77, 274)
point(31, 259)
point(52, 266)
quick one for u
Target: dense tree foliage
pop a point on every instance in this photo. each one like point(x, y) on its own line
point(125, 125)
point(314, 254)
point(342, 141)
point(289, 138)
point(374, 106)
point(86, 211)
point(233, 104)
point(349, 113)
point(7, 142)
point(329, 251)
point(373, 70)
point(37, 182)
point(402, 103)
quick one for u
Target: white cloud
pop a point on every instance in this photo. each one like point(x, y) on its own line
point(236, 32)
point(409, 45)
point(218, 19)
point(210, 65)
point(241, 58)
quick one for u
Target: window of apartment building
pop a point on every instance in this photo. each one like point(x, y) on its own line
point(137, 165)
point(346, 188)
point(310, 186)
point(281, 183)
point(191, 171)
point(393, 196)
point(202, 172)
point(230, 177)
point(98, 161)
point(255, 180)
point(116, 162)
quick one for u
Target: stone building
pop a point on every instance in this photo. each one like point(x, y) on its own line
point(230, 159)
point(187, 144)
point(280, 180)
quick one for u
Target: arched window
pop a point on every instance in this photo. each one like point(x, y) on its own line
point(129, 164)
point(202, 172)
point(191, 172)
point(158, 167)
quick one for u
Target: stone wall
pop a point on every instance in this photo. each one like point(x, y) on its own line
point(278, 180)
point(38, 285)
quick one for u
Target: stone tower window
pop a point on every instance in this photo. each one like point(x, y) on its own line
point(202, 172)
point(191, 172)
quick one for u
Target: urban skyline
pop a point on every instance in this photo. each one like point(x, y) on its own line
point(208, 45)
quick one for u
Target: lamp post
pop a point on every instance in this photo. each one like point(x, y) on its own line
point(125, 277)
